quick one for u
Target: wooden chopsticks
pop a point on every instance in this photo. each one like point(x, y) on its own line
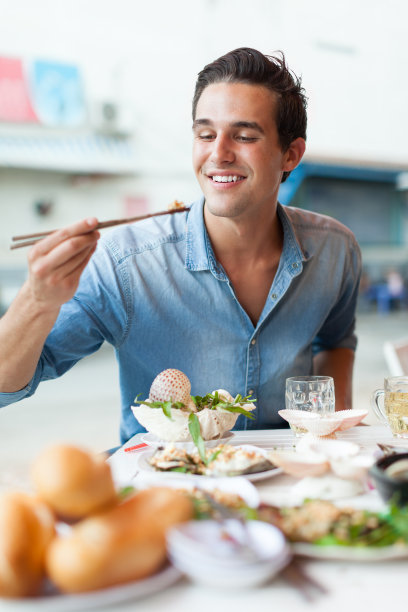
point(29, 239)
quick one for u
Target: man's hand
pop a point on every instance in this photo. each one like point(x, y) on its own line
point(57, 262)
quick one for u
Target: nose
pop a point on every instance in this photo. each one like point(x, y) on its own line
point(222, 150)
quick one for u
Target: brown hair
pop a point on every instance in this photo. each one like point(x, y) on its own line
point(246, 65)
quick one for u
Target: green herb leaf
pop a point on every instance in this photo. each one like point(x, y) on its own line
point(195, 431)
point(183, 470)
point(214, 401)
point(213, 456)
point(126, 491)
point(164, 406)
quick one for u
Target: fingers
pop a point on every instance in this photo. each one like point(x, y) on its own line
point(57, 262)
point(62, 246)
point(69, 271)
point(82, 229)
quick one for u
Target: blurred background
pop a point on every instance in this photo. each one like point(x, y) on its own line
point(95, 119)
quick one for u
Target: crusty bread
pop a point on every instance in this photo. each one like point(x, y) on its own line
point(26, 530)
point(126, 542)
point(74, 482)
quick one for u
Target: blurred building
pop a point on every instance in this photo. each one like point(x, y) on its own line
point(95, 112)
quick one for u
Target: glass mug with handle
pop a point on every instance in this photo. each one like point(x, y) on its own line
point(310, 393)
point(391, 404)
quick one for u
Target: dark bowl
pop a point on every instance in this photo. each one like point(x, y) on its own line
point(390, 488)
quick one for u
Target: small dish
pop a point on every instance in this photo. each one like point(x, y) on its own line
point(352, 468)
point(331, 449)
point(323, 425)
point(390, 483)
point(226, 554)
point(300, 464)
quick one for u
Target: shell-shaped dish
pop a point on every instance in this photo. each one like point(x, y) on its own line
point(351, 418)
point(323, 425)
point(300, 464)
point(310, 421)
point(213, 423)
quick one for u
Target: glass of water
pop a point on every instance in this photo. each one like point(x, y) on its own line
point(311, 393)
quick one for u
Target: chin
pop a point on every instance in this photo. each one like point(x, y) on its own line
point(224, 209)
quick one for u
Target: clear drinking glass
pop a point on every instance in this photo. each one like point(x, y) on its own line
point(310, 393)
point(393, 409)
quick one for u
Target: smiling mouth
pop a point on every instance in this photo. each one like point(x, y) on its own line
point(231, 178)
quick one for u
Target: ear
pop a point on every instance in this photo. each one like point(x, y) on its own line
point(294, 154)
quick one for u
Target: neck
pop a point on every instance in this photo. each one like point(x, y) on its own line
point(245, 239)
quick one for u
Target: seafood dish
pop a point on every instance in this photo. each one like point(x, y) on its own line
point(170, 411)
point(223, 460)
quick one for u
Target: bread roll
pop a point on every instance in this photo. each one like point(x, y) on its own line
point(26, 530)
point(122, 544)
point(74, 482)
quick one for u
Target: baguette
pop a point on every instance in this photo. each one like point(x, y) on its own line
point(124, 543)
point(74, 482)
point(26, 530)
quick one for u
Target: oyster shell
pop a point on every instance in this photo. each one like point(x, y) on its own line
point(239, 460)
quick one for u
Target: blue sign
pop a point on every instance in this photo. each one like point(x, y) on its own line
point(57, 93)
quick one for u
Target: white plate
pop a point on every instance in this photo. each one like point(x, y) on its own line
point(144, 466)
point(235, 486)
point(56, 602)
point(152, 440)
point(350, 553)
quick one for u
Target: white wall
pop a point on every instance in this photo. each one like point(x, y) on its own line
point(146, 55)
point(352, 55)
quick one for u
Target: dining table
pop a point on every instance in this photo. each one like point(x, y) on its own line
point(339, 584)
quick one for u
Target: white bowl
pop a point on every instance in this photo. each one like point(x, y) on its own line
point(353, 468)
point(300, 464)
point(200, 550)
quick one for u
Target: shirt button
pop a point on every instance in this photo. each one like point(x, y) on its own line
point(295, 265)
point(253, 341)
point(273, 296)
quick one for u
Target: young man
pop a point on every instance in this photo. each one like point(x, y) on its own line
point(238, 293)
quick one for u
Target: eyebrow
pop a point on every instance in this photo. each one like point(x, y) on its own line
point(252, 125)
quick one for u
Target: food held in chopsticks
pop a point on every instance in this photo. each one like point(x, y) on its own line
point(168, 409)
point(72, 481)
point(26, 531)
point(223, 460)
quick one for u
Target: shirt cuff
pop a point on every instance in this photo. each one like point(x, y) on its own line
point(16, 396)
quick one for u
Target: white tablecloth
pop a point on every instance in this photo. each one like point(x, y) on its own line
point(376, 586)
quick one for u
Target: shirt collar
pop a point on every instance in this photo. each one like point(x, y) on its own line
point(291, 239)
point(199, 253)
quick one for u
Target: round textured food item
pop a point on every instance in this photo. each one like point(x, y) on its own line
point(170, 385)
point(124, 543)
point(26, 531)
point(74, 482)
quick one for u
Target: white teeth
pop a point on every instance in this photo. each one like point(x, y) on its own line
point(226, 179)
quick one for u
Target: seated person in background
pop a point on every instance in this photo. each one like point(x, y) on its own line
point(239, 292)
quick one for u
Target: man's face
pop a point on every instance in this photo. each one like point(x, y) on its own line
point(236, 154)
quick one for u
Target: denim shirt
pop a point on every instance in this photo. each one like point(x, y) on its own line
point(155, 291)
